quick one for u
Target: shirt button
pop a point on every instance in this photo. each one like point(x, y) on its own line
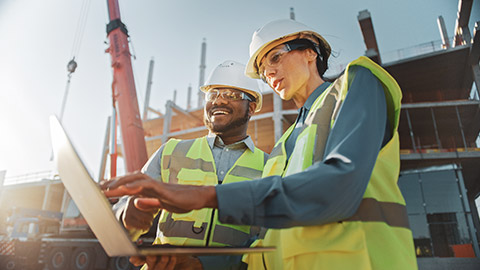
point(221, 172)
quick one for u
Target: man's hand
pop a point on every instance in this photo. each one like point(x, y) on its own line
point(168, 262)
point(154, 194)
point(137, 217)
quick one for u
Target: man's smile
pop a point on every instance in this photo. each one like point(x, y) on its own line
point(220, 111)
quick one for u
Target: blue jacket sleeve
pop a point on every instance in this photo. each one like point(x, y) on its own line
point(328, 191)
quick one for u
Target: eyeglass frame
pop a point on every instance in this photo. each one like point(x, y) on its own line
point(296, 44)
point(244, 96)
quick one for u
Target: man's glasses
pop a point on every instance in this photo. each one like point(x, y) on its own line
point(274, 56)
point(230, 95)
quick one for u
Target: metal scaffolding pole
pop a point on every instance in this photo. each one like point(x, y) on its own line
point(439, 143)
point(461, 128)
point(411, 131)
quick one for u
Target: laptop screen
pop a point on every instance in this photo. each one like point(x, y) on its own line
point(91, 202)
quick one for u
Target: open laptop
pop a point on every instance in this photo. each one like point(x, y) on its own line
point(97, 210)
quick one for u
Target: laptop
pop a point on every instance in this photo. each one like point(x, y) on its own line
point(97, 210)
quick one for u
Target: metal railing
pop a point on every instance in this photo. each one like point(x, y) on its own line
point(423, 48)
point(395, 55)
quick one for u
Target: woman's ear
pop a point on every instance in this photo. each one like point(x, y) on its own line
point(311, 54)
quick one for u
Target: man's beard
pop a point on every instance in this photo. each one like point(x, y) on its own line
point(219, 129)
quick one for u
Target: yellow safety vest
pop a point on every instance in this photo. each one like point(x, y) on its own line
point(377, 236)
point(191, 162)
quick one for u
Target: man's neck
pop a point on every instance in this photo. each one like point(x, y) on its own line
point(232, 135)
point(228, 139)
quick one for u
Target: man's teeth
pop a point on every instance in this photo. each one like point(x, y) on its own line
point(219, 112)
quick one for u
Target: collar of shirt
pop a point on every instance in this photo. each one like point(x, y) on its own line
point(214, 140)
point(305, 109)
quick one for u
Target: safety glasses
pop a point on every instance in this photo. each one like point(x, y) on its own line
point(226, 94)
point(274, 57)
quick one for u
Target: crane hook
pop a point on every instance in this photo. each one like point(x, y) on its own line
point(71, 66)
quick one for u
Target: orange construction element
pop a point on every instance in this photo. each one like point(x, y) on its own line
point(463, 251)
point(124, 93)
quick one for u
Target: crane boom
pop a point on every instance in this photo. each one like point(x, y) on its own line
point(124, 92)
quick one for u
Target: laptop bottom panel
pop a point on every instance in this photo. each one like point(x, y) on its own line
point(193, 250)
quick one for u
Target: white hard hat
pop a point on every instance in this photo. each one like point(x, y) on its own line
point(231, 74)
point(273, 34)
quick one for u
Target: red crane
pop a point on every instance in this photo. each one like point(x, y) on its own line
point(124, 95)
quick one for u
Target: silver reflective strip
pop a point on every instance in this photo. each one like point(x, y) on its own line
point(322, 117)
point(245, 172)
point(190, 163)
point(371, 210)
point(182, 147)
point(185, 229)
point(229, 236)
point(276, 151)
point(181, 228)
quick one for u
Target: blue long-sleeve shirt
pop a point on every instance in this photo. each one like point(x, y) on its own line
point(330, 190)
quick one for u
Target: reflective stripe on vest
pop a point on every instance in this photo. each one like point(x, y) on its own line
point(181, 228)
point(186, 229)
point(323, 118)
point(246, 172)
point(371, 210)
point(191, 162)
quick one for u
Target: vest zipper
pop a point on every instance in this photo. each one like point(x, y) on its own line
point(209, 233)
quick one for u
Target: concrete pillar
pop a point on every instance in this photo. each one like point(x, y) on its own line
point(149, 88)
point(189, 97)
point(443, 32)
point(201, 80)
point(277, 116)
point(167, 118)
point(462, 33)
point(366, 25)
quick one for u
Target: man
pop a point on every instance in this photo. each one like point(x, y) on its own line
point(329, 190)
point(226, 155)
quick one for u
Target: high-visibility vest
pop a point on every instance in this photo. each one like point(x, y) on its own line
point(191, 162)
point(377, 236)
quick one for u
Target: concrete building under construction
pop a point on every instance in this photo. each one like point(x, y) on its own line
point(439, 131)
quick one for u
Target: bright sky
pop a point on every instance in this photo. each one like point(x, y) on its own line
point(37, 40)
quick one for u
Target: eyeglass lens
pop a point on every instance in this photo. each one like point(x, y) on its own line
point(273, 58)
point(225, 94)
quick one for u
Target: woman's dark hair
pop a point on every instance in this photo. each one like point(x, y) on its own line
point(322, 54)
